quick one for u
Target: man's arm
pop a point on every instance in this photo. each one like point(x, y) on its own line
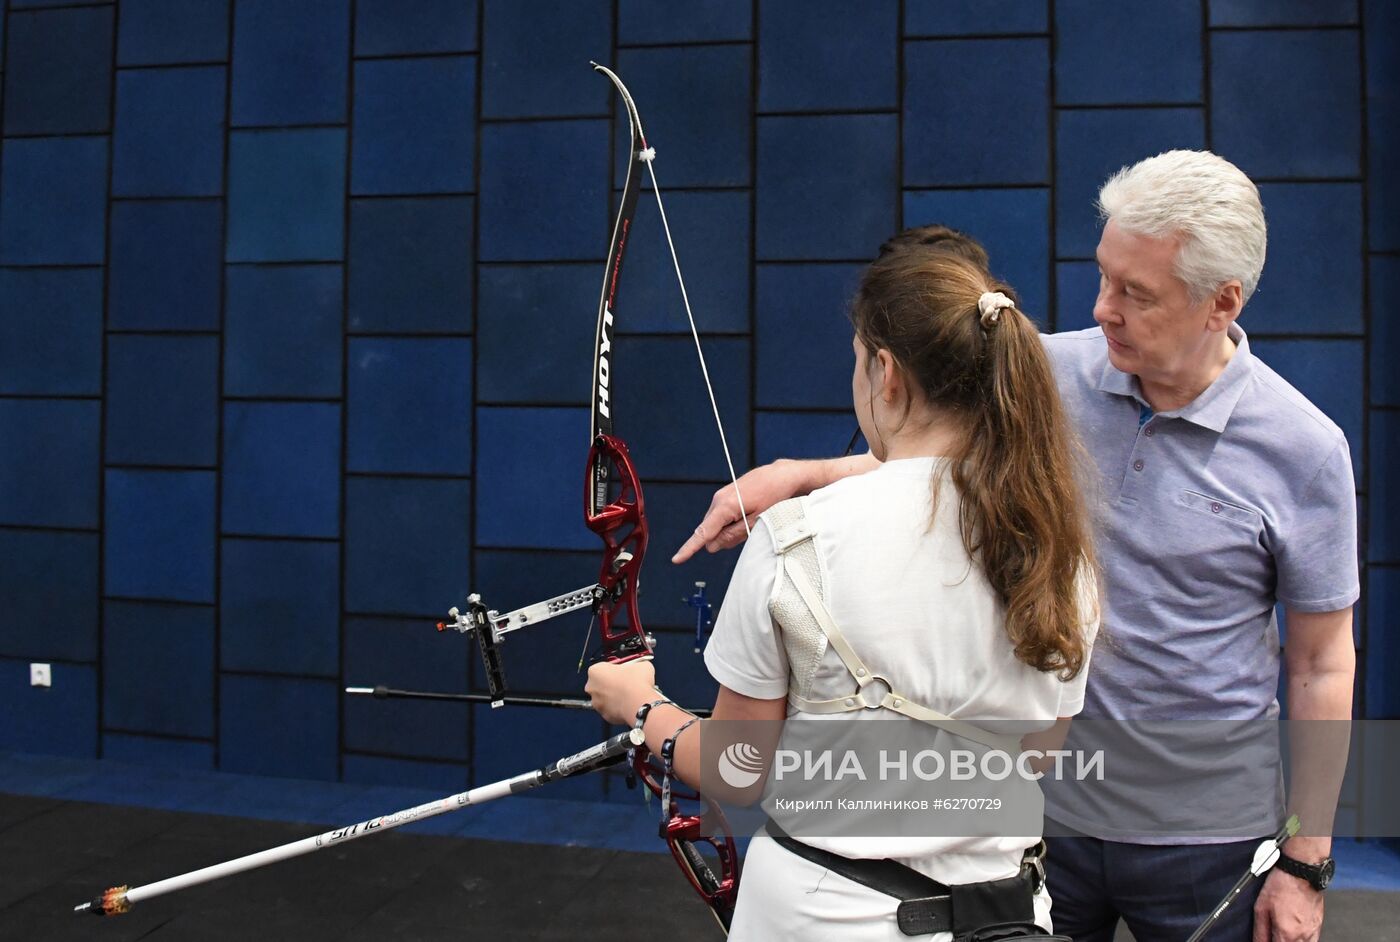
point(725, 527)
point(1320, 660)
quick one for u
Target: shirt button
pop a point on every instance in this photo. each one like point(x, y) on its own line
point(1137, 465)
point(1149, 431)
point(1215, 507)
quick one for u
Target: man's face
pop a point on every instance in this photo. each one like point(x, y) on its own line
point(1153, 328)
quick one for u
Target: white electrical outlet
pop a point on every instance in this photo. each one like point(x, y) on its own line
point(40, 675)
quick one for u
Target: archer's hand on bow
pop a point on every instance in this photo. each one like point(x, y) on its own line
point(618, 690)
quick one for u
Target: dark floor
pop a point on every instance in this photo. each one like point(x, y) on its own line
point(55, 854)
point(570, 870)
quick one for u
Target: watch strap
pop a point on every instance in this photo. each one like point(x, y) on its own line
point(1311, 873)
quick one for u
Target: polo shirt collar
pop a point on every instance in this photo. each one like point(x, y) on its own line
point(1213, 407)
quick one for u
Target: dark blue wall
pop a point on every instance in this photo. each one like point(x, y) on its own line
point(297, 301)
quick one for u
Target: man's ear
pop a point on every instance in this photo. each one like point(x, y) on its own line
point(1225, 306)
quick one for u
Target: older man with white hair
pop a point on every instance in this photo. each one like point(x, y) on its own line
point(1222, 492)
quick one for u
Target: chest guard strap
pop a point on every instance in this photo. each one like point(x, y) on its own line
point(799, 608)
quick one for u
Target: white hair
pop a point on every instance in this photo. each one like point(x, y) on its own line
point(1205, 201)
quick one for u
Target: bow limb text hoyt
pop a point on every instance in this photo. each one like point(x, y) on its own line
point(614, 509)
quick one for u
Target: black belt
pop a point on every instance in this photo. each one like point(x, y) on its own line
point(927, 906)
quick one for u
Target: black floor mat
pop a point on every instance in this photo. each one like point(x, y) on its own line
point(56, 854)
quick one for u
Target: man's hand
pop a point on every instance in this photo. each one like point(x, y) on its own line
point(1287, 910)
point(723, 527)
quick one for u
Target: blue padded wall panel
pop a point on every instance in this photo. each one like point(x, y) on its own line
point(407, 545)
point(681, 670)
point(155, 32)
point(1383, 644)
point(414, 125)
point(1281, 12)
point(528, 485)
point(1013, 225)
point(1284, 104)
point(672, 511)
point(169, 135)
point(1076, 292)
point(532, 738)
point(695, 104)
point(949, 94)
point(940, 18)
point(55, 483)
point(286, 195)
point(711, 233)
point(59, 720)
point(642, 21)
point(58, 72)
point(158, 538)
point(51, 331)
point(659, 403)
point(536, 331)
point(1314, 274)
point(804, 44)
point(175, 643)
point(804, 335)
point(1090, 146)
point(440, 777)
point(1128, 51)
point(1383, 122)
point(389, 27)
point(411, 265)
point(290, 278)
point(544, 191)
point(535, 58)
point(1384, 508)
point(281, 469)
point(1385, 331)
point(408, 655)
point(162, 400)
point(410, 406)
point(165, 269)
point(49, 584)
point(1329, 374)
point(282, 331)
point(543, 658)
point(289, 62)
point(182, 754)
point(279, 607)
point(54, 191)
point(278, 726)
point(803, 435)
point(827, 186)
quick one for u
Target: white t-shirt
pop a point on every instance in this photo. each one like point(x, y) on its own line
point(917, 610)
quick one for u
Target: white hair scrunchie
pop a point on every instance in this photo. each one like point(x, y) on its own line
point(990, 306)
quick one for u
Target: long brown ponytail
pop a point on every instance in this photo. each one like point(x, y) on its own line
point(1018, 464)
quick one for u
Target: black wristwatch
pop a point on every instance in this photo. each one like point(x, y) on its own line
point(1317, 875)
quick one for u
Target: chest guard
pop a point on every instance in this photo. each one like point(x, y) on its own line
point(799, 608)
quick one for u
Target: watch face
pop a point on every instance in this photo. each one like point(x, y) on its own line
point(1326, 870)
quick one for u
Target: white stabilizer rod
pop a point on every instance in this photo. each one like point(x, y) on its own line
point(119, 899)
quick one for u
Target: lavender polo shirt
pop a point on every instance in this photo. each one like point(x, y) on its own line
point(1208, 515)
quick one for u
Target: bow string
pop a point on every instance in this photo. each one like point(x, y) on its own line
point(614, 509)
